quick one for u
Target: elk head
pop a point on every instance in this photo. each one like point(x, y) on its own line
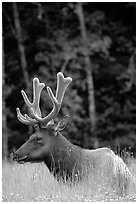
point(46, 132)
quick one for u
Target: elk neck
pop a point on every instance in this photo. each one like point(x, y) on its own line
point(64, 159)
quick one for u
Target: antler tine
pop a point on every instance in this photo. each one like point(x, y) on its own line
point(37, 88)
point(37, 92)
point(21, 118)
point(25, 119)
point(62, 84)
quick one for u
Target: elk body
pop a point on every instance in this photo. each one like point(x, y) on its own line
point(64, 159)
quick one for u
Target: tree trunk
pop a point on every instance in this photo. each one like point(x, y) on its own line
point(89, 68)
point(21, 49)
point(4, 114)
point(20, 44)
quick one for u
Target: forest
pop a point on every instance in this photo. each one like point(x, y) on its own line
point(92, 42)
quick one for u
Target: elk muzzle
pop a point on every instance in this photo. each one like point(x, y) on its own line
point(16, 158)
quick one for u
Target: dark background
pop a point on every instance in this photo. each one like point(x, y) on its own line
point(94, 43)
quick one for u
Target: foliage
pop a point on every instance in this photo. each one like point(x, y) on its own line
point(33, 182)
point(52, 41)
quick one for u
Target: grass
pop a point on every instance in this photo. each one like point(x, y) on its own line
point(34, 183)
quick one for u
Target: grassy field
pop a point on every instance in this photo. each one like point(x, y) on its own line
point(33, 182)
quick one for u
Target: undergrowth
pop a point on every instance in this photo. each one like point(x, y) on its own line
point(33, 182)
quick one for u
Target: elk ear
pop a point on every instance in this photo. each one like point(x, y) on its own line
point(62, 124)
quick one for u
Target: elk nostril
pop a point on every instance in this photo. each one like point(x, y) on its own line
point(15, 157)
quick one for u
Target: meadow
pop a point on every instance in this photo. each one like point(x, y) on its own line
point(34, 183)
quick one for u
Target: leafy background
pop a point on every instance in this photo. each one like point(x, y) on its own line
point(41, 39)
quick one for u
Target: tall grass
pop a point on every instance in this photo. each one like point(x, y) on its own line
point(33, 182)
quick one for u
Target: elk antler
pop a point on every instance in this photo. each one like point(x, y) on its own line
point(62, 84)
point(37, 88)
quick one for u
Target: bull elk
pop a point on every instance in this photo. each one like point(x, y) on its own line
point(64, 159)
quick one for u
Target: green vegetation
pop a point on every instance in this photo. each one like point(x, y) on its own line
point(94, 43)
point(33, 182)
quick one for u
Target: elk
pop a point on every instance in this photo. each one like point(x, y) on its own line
point(64, 159)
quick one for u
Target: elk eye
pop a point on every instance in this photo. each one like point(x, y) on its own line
point(39, 138)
